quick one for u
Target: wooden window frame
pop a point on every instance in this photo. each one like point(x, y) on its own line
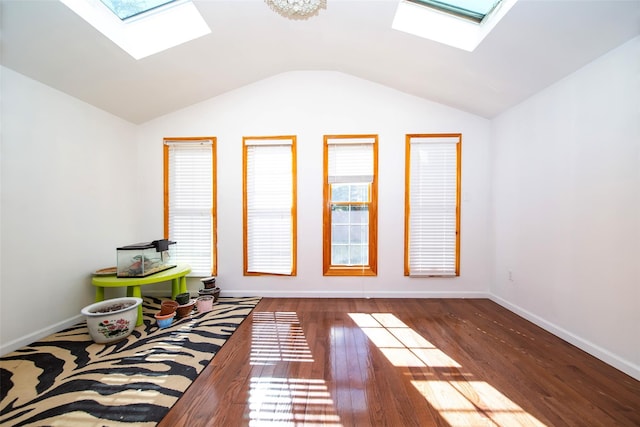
point(167, 195)
point(407, 209)
point(330, 269)
point(294, 207)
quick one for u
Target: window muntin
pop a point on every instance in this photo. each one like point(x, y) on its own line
point(350, 205)
point(432, 205)
point(189, 202)
point(269, 200)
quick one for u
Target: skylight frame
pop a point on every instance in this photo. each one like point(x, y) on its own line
point(146, 33)
point(415, 17)
point(112, 4)
point(475, 15)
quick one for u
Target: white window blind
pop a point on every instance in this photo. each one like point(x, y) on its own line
point(269, 206)
point(433, 198)
point(190, 210)
point(350, 160)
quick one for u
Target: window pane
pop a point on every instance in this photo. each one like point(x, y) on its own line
point(475, 10)
point(359, 214)
point(125, 9)
point(339, 214)
point(358, 192)
point(359, 234)
point(350, 255)
point(340, 192)
point(359, 255)
point(349, 234)
point(339, 255)
point(340, 234)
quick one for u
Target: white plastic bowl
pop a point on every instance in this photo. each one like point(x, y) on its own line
point(113, 319)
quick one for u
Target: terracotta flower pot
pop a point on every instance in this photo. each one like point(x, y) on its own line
point(185, 309)
point(168, 306)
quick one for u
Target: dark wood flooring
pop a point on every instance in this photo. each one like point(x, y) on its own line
point(402, 362)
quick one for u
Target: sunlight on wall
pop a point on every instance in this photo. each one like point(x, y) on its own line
point(461, 403)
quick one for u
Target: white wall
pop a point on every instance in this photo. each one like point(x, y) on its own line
point(566, 174)
point(309, 105)
point(68, 187)
point(551, 192)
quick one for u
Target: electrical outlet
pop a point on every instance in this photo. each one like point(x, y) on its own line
point(510, 275)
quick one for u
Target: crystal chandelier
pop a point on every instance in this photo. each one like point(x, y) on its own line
point(297, 9)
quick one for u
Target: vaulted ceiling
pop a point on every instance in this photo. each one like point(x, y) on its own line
point(538, 43)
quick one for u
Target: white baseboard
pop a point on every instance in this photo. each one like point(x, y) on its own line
point(159, 293)
point(609, 358)
point(44, 332)
point(352, 294)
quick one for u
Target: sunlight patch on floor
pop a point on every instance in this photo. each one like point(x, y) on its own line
point(291, 402)
point(403, 346)
point(460, 403)
point(470, 403)
point(277, 337)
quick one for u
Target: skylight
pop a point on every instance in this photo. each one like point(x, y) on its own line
point(125, 9)
point(474, 10)
point(459, 23)
point(143, 30)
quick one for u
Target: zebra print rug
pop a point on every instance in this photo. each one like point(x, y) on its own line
point(67, 380)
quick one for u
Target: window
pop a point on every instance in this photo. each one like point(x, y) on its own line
point(269, 200)
point(462, 24)
point(350, 205)
point(125, 9)
point(189, 202)
point(474, 10)
point(140, 27)
point(432, 205)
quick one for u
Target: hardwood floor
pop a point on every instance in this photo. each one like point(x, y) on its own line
point(402, 362)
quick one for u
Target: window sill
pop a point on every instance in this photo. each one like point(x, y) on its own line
point(341, 270)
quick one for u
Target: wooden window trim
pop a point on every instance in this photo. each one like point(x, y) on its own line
point(408, 138)
point(214, 207)
point(342, 270)
point(294, 207)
